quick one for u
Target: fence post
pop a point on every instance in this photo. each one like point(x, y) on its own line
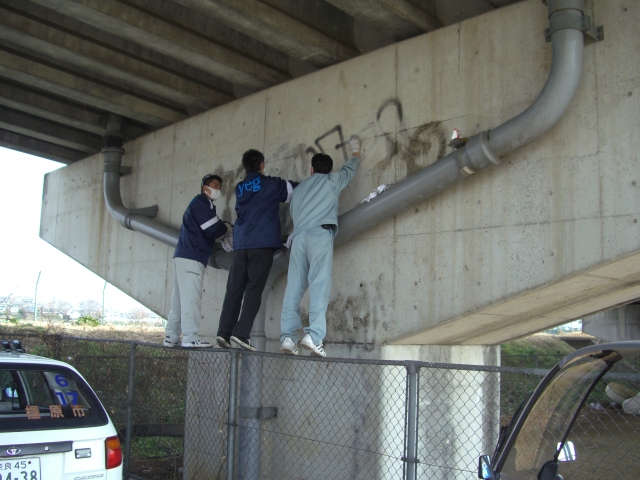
point(232, 424)
point(411, 423)
point(129, 420)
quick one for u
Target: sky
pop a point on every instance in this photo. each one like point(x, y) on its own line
point(24, 254)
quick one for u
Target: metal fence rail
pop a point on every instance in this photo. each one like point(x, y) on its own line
point(227, 414)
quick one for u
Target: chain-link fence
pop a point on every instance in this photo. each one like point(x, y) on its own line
point(218, 414)
point(273, 416)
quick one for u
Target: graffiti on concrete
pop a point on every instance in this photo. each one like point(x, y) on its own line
point(393, 152)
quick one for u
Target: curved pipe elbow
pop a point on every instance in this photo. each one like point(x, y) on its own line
point(553, 101)
point(132, 219)
point(113, 199)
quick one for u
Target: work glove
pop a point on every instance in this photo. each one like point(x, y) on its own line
point(226, 240)
point(354, 143)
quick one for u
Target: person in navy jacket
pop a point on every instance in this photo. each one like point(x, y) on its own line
point(200, 228)
point(256, 236)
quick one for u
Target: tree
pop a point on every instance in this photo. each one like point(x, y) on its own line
point(90, 308)
point(64, 308)
point(139, 313)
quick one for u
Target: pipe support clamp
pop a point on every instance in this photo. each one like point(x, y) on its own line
point(113, 167)
point(476, 154)
point(571, 21)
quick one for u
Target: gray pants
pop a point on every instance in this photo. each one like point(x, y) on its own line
point(309, 268)
point(186, 301)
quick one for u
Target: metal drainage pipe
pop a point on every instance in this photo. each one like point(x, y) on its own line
point(139, 219)
point(486, 148)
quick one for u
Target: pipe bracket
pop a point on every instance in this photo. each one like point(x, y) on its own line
point(574, 22)
point(476, 154)
point(150, 212)
point(112, 167)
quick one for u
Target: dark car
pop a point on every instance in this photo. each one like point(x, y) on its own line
point(581, 422)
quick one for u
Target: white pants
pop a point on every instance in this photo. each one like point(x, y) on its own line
point(186, 301)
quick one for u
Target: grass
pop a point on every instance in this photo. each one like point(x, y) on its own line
point(535, 351)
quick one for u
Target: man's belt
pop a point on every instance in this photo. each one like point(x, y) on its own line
point(328, 226)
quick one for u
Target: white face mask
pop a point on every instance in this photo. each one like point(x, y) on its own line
point(212, 193)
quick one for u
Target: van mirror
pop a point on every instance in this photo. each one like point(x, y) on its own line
point(485, 469)
point(568, 452)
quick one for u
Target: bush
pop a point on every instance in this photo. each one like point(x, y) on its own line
point(88, 320)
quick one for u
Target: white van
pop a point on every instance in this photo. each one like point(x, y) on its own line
point(52, 425)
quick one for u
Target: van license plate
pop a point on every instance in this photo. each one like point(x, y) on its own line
point(19, 469)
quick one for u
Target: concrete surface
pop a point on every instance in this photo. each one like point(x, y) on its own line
point(615, 325)
point(550, 235)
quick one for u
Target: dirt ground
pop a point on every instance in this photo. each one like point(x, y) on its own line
point(606, 444)
point(157, 468)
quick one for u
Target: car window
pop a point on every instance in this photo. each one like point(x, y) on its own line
point(37, 398)
point(549, 418)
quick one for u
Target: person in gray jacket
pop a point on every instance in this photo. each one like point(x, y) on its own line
point(314, 209)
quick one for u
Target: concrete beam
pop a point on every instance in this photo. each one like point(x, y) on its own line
point(29, 72)
point(412, 14)
point(615, 325)
point(35, 127)
point(39, 148)
point(59, 111)
point(275, 28)
point(165, 37)
point(43, 106)
point(398, 19)
point(101, 62)
point(112, 41)
point(215, 30)
point(617, 283)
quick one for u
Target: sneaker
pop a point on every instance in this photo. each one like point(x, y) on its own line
point(288, 347)
point(223, 342)
point(315, 350)
point(169, 343)
point(196, 344)
point(243, 342)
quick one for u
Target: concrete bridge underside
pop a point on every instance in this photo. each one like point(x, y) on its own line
point(548, 236)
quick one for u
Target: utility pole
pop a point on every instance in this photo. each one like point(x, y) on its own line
point(35, 300)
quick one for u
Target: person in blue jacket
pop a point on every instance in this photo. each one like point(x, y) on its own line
point(256, 236)
point(200, 228)
point(314, 209)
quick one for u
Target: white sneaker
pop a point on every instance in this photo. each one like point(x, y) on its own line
point(288, 347)
point(316, 350)
point(243, 342)
point(169, 343)
point(196, 344)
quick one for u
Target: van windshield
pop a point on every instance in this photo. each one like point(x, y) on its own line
point(550, 417)
point(34, 397)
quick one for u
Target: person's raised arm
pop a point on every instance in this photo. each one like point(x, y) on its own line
point(348, 171)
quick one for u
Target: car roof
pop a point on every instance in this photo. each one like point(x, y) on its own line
point(626, 349)
point(16, 357)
